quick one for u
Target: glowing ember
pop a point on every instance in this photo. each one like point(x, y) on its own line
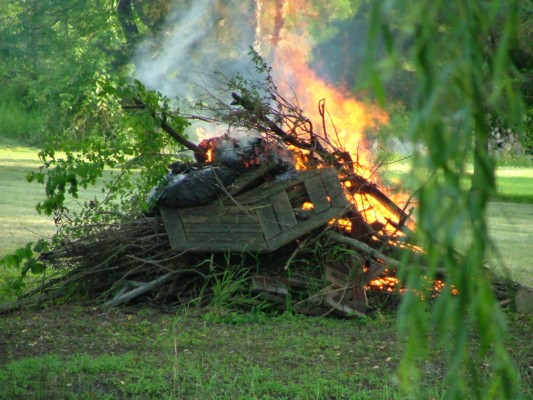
point(385, 284)
point(308, 206)
point(391, 284)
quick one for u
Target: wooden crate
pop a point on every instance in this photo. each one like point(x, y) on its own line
point(260, 220)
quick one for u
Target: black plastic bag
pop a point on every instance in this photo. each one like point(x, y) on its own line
point(195, 188)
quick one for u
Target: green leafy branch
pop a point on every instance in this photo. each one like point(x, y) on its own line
point(126, 161)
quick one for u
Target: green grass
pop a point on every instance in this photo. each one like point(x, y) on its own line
point(143, 354)
point(80, 352)
point(511, 229)
point(523, 161)
point(515, 184)
point(19, 221)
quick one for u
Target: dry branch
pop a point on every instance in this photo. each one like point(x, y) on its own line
point(145, 287)
point(356, 244)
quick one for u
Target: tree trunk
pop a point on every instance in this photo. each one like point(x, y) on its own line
point(127, 22)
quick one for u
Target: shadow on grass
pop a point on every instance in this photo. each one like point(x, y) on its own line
point(513, 198)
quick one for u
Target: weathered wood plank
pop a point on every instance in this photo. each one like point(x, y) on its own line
point(210, 229)
point(334, 189)
point(211, 246)
point(317, 194)
point(265, 219)
point(251, 237)
point(283, 210)
point(175, 232)
point(213, 219)
point(268, 221)
point(303, 227)
point(214, 210)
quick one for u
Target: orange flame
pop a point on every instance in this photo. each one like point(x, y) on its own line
point(349, 117)
point(346, 120)
point(291, 56)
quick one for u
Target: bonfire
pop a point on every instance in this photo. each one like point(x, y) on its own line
point(290, 209)
point(294, 211)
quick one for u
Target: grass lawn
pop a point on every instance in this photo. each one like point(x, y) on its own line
point(19, 221)
point(82, 352)
point(515, 184)
point(511, 228)
point(70, 351)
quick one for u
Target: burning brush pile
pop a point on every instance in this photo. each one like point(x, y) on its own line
point(282, 215)
point(285, 209)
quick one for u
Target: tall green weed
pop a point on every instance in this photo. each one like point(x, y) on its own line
point(19, 124)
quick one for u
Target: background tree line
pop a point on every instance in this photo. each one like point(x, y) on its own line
point(53, 54)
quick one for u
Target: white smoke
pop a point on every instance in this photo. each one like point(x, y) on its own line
point(196, 41)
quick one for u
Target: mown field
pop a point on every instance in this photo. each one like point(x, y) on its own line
point(72, 351)
point(19, 220)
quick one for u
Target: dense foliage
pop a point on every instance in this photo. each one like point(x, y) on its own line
point(463, 75)
point(53, 54)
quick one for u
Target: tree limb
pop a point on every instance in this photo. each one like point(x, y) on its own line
point(200, 153)
point(140, 290)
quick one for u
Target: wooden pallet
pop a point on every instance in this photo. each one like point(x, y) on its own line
point(260, 220)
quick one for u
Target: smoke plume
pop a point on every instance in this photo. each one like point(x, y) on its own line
point(198, 38)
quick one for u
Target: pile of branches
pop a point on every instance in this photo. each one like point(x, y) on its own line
point(328, 270)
